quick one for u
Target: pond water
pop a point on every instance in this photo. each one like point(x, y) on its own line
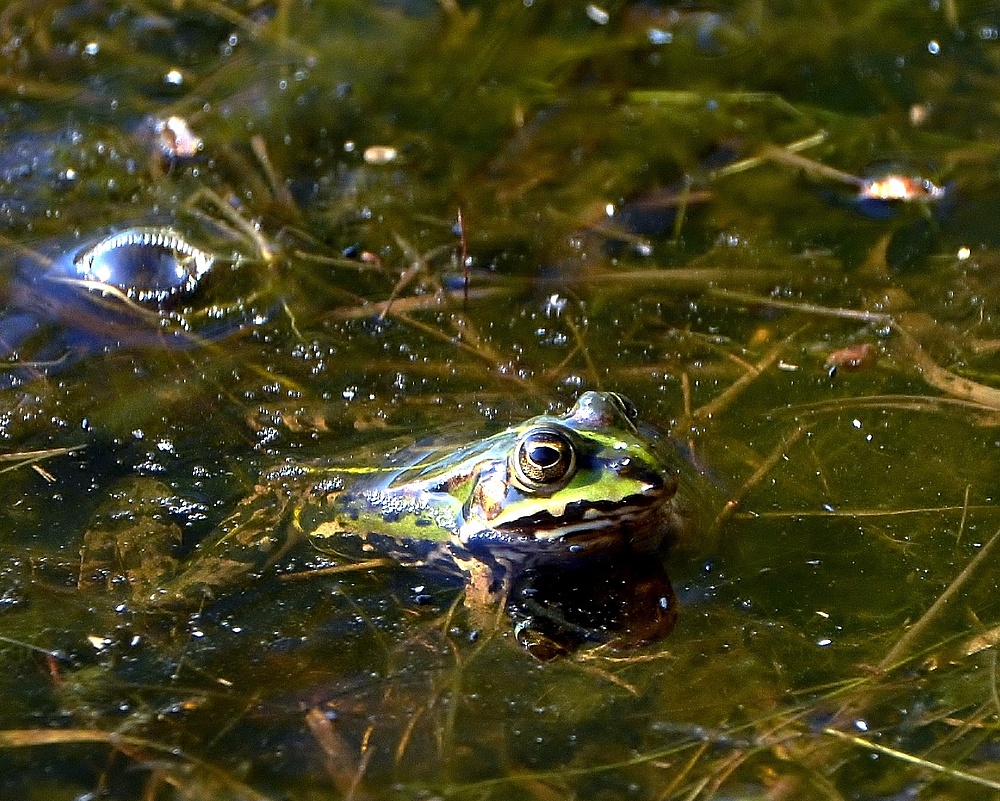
point(771, 225)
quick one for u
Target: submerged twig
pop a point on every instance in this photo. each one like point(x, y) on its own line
point(697, 277)
point(367, 564)
point(413, 303)
point(938, 377)
point(339, 757)
point(877, 318)
point(241, 227)
point(783, 155)
point(464, 256)
point(721, 401)
point(762, 470)
point(29, 646)
point(911, 759)
point(581, 347)
point(24, 738)
point(32, 458)
point(945, 380)
point(755, 161)
point(913, 632)
point(279, 190)
point(912, 403)
point(419, 263)
point(852, 513)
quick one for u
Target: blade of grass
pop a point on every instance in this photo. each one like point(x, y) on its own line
point(897, 652)
point(877, 748)
point(29, 738)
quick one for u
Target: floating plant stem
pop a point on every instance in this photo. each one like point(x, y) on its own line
point(878, 748)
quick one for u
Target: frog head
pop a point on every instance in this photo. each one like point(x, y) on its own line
point(562, 488)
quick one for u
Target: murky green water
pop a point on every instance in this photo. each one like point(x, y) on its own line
point(657, 200)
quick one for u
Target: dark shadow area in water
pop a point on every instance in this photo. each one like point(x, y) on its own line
point(622, 602)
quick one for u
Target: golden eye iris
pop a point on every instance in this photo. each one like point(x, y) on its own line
point(543, 458)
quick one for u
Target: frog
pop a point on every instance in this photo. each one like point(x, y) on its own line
point(558, 492)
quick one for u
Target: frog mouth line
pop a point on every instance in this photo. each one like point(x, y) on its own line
point(629, 515)
point(583, 518)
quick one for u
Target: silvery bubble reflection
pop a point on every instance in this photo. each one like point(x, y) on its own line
point(120, 290)
point(152, 266)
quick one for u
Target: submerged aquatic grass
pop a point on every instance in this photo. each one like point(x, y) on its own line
point(657, 201)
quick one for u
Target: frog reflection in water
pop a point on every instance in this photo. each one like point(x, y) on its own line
point(553, 493)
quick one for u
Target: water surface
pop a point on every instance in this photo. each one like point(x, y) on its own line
point(656, 200)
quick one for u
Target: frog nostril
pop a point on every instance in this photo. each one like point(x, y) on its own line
point(654, 480)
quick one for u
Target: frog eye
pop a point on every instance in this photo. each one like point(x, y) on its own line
point(542, 458)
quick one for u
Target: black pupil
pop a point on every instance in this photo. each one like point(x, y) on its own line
point(544, 455)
